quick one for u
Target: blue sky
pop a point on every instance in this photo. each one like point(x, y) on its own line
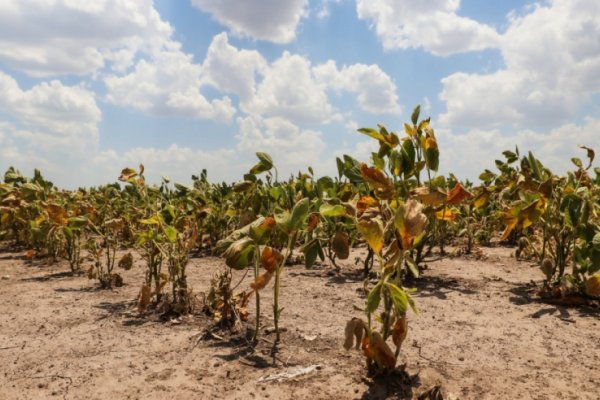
point(91, 87)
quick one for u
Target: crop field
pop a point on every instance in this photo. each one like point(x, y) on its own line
point(387, 281)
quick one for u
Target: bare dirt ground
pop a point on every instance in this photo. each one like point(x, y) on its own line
point(480, 335)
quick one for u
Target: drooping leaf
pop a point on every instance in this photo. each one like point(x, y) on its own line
point(374, 177)
point(430, 196)
point(372, 231)
point(270, 258)
point(457, 195)
point(170, 233)
point(261, 281)
point(340, 245)
point(374, 298)
point(297, 215)
point(400, 331)
point(126, 262)
point(239, 254)
point(353, 333)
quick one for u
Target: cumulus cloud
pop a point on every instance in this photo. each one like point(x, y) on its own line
point(290, 146)
point(552, 58)
point(232, 70)
point(45, 38)
point(51, 107)
point(433, 26)
point(167, 84)
point(470, 153)
point(375, 90)
point(271, 20)
point(289, 89)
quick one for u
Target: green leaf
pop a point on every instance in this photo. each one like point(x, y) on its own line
point(578, 163)
point(171, 234)
point(311, 251)
point(331, 210)
point(240, 253)
point(298, 215)
point(399, 298)
point(373, 298)
point(412, 266)
point(415, 114)
point(372, 133)
point(265, 158)
point(153, 220)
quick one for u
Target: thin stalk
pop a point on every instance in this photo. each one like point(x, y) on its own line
point(291, 241)
point(257, 295)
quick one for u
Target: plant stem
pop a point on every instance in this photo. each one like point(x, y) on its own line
point(291, 241)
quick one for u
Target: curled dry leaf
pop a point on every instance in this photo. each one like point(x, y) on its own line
point(457, 195)
point(430, 196)
point(400, 331)
point(378, 350)
point(374, 177)
point(145, 294)
point(270, 258)
point(126, 262)
point(340, 245)
point(410, 221)
point(261, 281)
point(353, 333)
point(365, 202)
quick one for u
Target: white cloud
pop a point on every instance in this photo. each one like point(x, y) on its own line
point(552, 57)
point(291, 147)
point(232, 70)
point(272, 20)
point(289, 90)
point(51, 107)
point(168, 84)
point(469, 154)
point(376, 92)
point(431, 25)
point(46, 38)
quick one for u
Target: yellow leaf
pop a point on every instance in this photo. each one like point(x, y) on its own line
point(445, 214)
point(592, 285)
point(372, 231)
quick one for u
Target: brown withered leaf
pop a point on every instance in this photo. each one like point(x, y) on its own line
point(144, 298)
point(457, 195)
point(270, 258)
point(126, 262)
point(399, 331)
point(57, 214)
point(374, 177)
point(353, 333)
point(340, 245)
point(429, 196)
point(378, 350)
point(313, 221)
point(365, 202)
point(261, 281)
